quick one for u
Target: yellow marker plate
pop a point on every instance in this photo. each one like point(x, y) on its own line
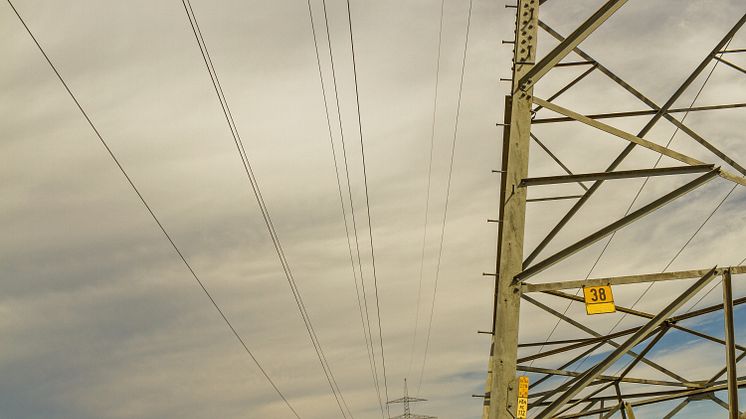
point(522, 408)
point(599, 300)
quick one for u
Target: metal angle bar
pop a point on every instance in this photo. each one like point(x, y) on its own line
point(616, 225)
point(625, 114)
point(626, 152)
point(572, 347)
point(706, 310)
point(554, 342)
point(610, 342)
point(730, 346)
point(621, 174)
point(565, 373)
point(629, 411)
point(621, 400)
point(565, 47)
point(733, 51)
point(627, 279)
point(549, 394)
point(640, 395)
point(555, 158)
point(627, 346)
point(618, 132)
point(730, 64)
point(574, 63)
point(677, 392)
point(554, 198)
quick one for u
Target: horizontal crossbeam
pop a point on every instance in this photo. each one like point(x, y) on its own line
point(645, 112)
point(627, 279)
point(621, 174)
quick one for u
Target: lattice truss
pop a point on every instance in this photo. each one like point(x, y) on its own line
point(673, 159)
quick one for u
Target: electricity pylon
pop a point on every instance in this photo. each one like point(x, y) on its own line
point(589, 391)
point(405, 401)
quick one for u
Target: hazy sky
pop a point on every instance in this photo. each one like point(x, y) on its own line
point(100, 319)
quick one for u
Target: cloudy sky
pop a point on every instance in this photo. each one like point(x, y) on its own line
point(100, 318)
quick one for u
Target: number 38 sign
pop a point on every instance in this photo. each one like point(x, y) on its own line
point(598, 300)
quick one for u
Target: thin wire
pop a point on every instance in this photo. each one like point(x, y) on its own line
point(153, 215)
point(668, 265)
point(367, 201)
point(368, 343)
point(427, 193)
point(629, 208)
point(352, 208)
point(336, 392)
point(448, 194)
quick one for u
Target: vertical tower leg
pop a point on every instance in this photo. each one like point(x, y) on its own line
point(503, 395)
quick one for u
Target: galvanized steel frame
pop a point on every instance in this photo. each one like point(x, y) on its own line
point(571, 399)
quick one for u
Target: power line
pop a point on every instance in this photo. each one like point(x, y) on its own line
point(367, 201)
point(352, 209)
point(153, 215)
point(366, 333)
point(336, 392)
point(427, 189)
point(448, 194)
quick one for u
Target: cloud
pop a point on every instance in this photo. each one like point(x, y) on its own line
point(101, 320)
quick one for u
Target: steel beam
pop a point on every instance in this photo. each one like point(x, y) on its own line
point(623, 349)
point(625, 114)
point(730, 346)
point(616, 225)
point(627, 279)
point(554, 198)
point(516, 141)
point(607, 378)
point(621, 174)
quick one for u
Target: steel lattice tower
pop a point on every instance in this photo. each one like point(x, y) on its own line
point(405, 401)
point(589, 392)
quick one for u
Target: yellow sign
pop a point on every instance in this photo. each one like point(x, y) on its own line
point(522, 409)
point(599, 300)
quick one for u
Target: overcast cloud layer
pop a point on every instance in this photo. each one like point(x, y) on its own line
point(99, 318)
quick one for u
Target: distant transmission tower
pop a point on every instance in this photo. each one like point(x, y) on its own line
point(561, 387)
point(405, 401)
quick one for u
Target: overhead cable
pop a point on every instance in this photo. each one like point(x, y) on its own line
point(154, 216)
point(360, 298)
point(448, 195)
point(336, 392)
point(367, 201)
